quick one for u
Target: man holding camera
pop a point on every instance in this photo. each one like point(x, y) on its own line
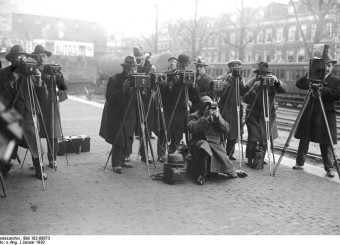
point(256, 109)
point(15, 88)
point(52, 121)
point(208, 130)
point(118, 94)
point(228, 104)
point(312, 126)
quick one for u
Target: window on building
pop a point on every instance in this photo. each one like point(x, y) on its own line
point(291, 33)
point(260, 37)
point(279, 34)
point(301, 55)
point(278, 55)
point(268, 58)
point(304, 31)
point(233, 38)
point(269, 36)
point(290, 56)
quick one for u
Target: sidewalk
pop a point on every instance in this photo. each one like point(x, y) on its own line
point(82, 199)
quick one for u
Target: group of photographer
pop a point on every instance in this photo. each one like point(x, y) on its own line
point(27, 86)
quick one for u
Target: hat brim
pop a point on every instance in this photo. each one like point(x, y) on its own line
point(332, 61)
point(8, 56)
point(48, 53)
point(202, 64)
point(134, 65)
point(257, 71)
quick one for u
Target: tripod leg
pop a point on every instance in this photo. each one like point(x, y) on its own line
point(163, 119)
point(23, 161)
point(267, 123)
point(329, 134)
point(298, 118)
point(187, 134)
point(238, 105)
point(3, 184)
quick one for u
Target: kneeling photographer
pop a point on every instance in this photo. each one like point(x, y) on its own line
point(207, 147)
point(55, 82)
point(258, 102)
point(16, 84)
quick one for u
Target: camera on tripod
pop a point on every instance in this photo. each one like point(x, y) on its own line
point(237, 71)
point(139, 80)
point(27, 67)
point(217, 85)
point(211, 106)
point(158, 77)
point(267, 80)
point(186, 77)
point(52, 69)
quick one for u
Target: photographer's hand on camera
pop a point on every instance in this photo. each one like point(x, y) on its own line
point(37, 75)
point(126, 85)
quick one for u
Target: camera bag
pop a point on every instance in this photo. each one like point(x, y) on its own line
point(74, 144)
point(175, 170)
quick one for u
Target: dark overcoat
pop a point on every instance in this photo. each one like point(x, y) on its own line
point(312, 125)
point(203, 83)
point(255, 122)
point(228, 107)
point(115, 106)
point(209, 136)
point(46, 106)
point(8, 90)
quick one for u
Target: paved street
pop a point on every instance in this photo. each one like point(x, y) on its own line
point(82, 199)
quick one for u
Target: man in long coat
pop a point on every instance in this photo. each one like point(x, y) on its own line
point(228, 106)
point(254, 99)
point(312, 126)
point(208, 129)
point(51, 121)
point(15, 89)
point(118, 94)
point(203, 79)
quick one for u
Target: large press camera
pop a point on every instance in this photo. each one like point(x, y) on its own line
point(237, 72)
point(211, 106)
point(52, 69)
point(267, 80)
point(217, 85)
point(185, 76)
point(158, 77)
point(27, 67)
point(139, 80)
point(317, 65)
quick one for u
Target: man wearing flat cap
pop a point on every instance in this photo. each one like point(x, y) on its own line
point(172, 62)
point(202, 78)
point(118, 93)
point(312, 126)
point(255, 110)
point(15, 89)
point(52, 121)
point(228, 104)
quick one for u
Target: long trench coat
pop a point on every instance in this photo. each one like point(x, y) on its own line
point(312, 125)
point(255, 122)
point(8, 90)
point(209, 136)
point(203, 83)
point(46, 107)
point(227, 105)
point(114, 110)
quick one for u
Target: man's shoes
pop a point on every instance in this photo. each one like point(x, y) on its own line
point(200, 180)
point(231, 157)
point(118, 170)
point(52, 164)
point(32, 167)
point(241, 174)
point(152, 136)
point(144, 160)
point(162, 159)
point(297, 167)
point(126, 165)
point(137, 137)
point(127, 158)
point(38, 175)
point(330, 174)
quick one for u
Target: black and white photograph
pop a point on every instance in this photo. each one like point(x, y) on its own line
point(144, 121)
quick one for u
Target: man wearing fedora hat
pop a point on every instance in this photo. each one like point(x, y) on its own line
point(255, 111)
point(228, 105)
point(53, 128)
point(202, 78)
point(118, 93)
point(14, 89)
point(312, 126)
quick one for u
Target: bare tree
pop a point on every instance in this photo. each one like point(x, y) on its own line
point(195, 32)
point(246, 26)
point(320, 11)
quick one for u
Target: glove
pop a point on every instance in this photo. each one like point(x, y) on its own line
point(126, 85)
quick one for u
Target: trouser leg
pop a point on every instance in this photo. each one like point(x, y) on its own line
point(250, 150)
point(201, 164)
point(117, 156)
point(327, 156)
point(230, 147)
point(302, 152)
point(56, 148)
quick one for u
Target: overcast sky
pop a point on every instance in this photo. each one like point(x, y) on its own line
point(133, 16)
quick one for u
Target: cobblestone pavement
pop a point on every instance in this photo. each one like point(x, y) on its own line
point(82, 199)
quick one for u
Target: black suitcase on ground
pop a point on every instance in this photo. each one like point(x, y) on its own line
point(74, 144)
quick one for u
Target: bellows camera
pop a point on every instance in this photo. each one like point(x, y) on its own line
point(317, 70)
point(139, 80)
point(27, 67)
point(267, 80)
point(218, 85)
point(237, 72)
point(211, 105)
point(186, 77)
point(52, 69)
